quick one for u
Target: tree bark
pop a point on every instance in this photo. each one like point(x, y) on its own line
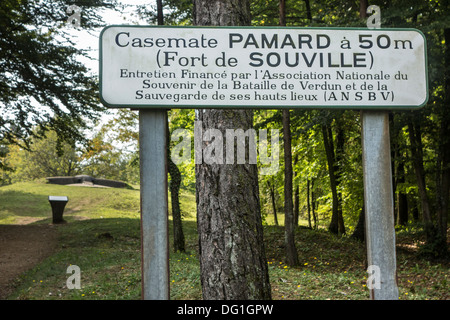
point(363, 5)
point(232, 256)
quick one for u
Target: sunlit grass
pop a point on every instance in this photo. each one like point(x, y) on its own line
point(102, 237)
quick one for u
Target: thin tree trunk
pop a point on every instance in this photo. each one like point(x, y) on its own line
point(289, 240)
point(175, 175)
point(289, 234)
point(308, 202)
point(402, 203)
point(159, 9)
point(415, 138)
point(296, 205)
point(415, 208)
point(296, 197)
point(282, 7)
point(308, 10)
point(360, 230)
point(272, 197)
point(313, 204)
point(233, 264)
point(329, 150)
point(338, 160)
point(175, 184)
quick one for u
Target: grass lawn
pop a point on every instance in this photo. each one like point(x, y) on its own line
point(102, 237)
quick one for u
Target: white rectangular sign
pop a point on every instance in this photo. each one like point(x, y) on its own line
point(225, 67)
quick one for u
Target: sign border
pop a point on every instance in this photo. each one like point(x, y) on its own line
point(255, 106)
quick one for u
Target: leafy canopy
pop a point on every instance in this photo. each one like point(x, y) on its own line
point(42, 82)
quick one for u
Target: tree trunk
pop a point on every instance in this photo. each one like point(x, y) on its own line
point(175, 183)
point(415, 138)
point(308, 10)
point(282, 7)
point(289, 240)
point(313, 204)
point(160, 15)
point(415, 209)
point(289, 233)
point(175, 175)
point(232, 256)
point(272, 197)
point(338, 160)
point(443, 193)
point(296, 205)
point(336, 225)
point(363, 4)
point(402, 203)
point(296, 197)
point(308, 202)
point(360, 230)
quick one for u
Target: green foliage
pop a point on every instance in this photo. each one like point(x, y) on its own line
point(176, 12)
point(42, 82)
point(42, 159)
point(46, 157)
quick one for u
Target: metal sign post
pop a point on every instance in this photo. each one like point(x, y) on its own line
point(379, 204)
point(379, 197)
point(154, 204)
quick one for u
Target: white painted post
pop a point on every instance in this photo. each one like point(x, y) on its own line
point(379, 203)
point(154, 204)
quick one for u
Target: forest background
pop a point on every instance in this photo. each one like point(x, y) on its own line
point(65, 138)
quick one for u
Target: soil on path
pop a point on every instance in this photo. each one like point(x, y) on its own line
point(21, 248)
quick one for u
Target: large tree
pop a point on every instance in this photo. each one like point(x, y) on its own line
point(42, 82)
point(232, 257)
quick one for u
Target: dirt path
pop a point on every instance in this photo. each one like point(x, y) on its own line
point(21, 248)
